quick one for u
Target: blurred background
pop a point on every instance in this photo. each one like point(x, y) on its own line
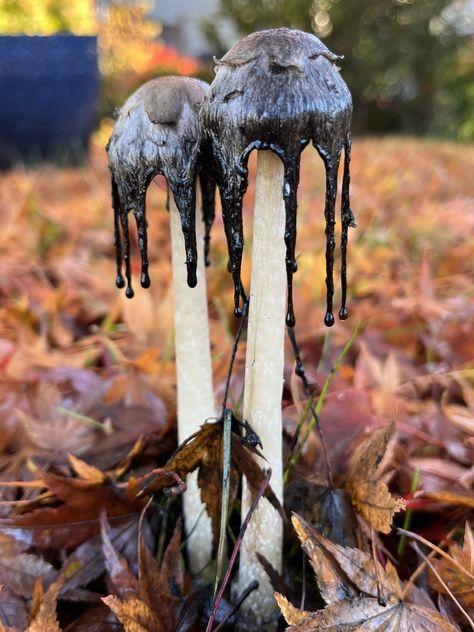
point(65, 66)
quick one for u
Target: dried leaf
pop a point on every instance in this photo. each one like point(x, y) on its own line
point(85, 471)
point(292, 615)
point(370, 496)
point(459, 583)
point(346, 568)
point(357, 566)
point(367, 615)
point(18, 570)
point(124, 581)
point(135, 615)
point(45, 619)
point(446, 498)
point(204, 451)
point(76, 520)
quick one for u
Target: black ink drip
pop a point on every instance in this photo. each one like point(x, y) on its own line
point(347, 220)
point(120, 281)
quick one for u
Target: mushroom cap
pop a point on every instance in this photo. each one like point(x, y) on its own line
point(157, 128)
point(279, 83)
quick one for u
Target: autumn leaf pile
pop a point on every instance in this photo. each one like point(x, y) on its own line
point(90, 476)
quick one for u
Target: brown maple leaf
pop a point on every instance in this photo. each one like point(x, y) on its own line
point(204, 451)
point(76, 507)
point(153, 602)
point(370, 495)
point(350, 581)
point(457, 574)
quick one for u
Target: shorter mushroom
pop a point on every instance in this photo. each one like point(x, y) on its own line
point(157, 133)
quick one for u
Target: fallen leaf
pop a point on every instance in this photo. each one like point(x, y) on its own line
point(363, 610)
point(204, 451)
point(19, 570)
point(45, 618)
point(85, 471)
point(460, 583)
point(134, 614)
point(370, 495)
point(365, 614)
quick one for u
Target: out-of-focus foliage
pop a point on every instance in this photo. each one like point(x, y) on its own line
point(44, 17)
point(130, 52)
point(408, 63)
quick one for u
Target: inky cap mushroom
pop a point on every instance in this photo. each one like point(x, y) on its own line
point(157, 133)
point(280, 89)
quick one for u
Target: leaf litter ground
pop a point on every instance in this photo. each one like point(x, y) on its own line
point(88, 407)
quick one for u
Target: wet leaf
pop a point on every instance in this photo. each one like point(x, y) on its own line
point(370, 495)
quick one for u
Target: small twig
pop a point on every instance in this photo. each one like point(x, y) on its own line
point(442, 582)
point(411, 580)
point(432, 546)
point(233, 557)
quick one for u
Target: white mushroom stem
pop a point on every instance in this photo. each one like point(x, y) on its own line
point(264, 378)
point(193, 378)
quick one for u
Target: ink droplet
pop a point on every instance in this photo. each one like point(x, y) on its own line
point(192, 278)
point(129, 293)
point(343, 313)
point(290, 319)
point(145, 280)
point(120, 281)
point(329, 320)
point(237, 312)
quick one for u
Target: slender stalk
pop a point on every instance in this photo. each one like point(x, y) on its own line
point(194, 380)
point(264, 378)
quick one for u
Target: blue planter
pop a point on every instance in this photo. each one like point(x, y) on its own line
point(49, 89)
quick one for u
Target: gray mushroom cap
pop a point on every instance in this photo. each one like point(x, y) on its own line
point(279, 89)
point(157, 132)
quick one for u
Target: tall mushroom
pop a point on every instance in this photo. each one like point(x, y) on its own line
point(274, 90)
point(157, 133)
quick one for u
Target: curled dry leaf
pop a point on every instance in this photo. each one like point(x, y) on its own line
point(204, 451)
point(45, 616)
point(370, 496)
point(134, 614)
point(338, 571)
point(460, 583)
point(154, 601)
point(85, 471)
